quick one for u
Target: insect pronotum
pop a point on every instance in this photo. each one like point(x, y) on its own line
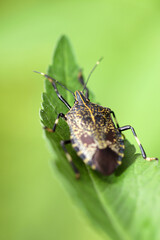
point(94, 136)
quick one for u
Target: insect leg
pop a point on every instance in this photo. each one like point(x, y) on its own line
point(81, 79)
point(58, 94)
point(55, 123)
point(140, 146)
point(115, 118)
point(63, 143)
point(53, 81)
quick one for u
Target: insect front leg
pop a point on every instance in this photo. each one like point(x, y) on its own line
point(81, 79)
point(63, 143)
point(55, 123)
point(140, 146)
point(53, 81)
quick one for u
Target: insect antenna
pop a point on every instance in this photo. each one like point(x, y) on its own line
point(97, 63)
point(52, 80)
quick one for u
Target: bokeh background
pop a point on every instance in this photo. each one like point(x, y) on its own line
point(127, 34)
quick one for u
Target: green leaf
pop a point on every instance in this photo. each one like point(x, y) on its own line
point(125, 205)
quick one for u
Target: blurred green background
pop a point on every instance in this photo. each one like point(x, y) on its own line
point(127, 34)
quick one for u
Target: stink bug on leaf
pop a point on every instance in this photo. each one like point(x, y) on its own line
point(94, 131)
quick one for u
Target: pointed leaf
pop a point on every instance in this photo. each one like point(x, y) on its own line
point(124, 205)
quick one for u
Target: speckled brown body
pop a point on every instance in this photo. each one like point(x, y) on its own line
point(94, 135)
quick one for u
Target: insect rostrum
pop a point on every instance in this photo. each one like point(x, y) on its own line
point(94, 132)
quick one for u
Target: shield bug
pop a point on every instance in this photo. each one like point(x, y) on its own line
point(94, 131)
